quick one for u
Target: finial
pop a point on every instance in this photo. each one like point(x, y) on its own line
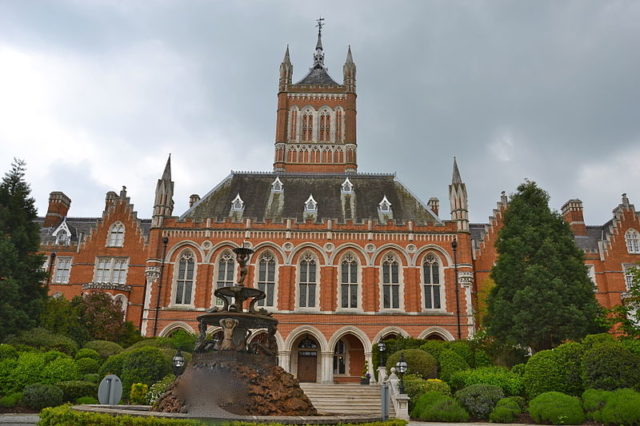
point(320, 24)
point(349, 57)
point(286, 56)
point(318, 57)
point(456, 173)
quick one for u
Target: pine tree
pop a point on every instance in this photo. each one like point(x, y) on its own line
point(543, 294)
point(22, 288)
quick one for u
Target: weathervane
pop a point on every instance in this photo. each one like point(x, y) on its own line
point(320, 24)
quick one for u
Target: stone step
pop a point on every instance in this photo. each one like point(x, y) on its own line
point(345, 398)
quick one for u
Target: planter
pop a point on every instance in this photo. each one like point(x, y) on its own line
point(364, 380)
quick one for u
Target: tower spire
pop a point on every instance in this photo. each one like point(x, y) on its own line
point(456, 173)
point(166, 175)
point(318, 57)
point(459, 200)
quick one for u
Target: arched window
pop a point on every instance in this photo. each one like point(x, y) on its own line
point(226, 272)
point(340, 358)
point(307, 126)
point(184, 278)
point(349, 282)
point(116, 235)
point(293, 123)
point(390, 283)
point(339, 125)
point(632, 237)
point(307, 282)
point(325, 126)
point(121, 299)
point(267, 278)
point(431, 276)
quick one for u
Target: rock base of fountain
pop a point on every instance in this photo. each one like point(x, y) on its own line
point(226, 384)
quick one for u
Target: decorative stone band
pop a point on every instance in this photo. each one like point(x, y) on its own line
point(106, 286)
point(465, 278)
point(152, 273)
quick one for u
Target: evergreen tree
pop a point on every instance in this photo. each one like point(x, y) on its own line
point(22, 288)
point(543, 294)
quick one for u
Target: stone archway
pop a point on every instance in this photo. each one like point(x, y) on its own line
point(305, 358)
point(348, 359)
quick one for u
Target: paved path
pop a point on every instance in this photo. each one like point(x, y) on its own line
point(19, 419)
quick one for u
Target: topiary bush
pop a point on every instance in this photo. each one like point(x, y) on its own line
point(632, 345)
point(137, 393)
point(519, 369)
point(516, 402)
point(158, 389)
point(510, 383)
point(479, 400)
point(183, 340)
point(64, 415)
point(592, 340)
point(436, 407)
point(11, 400)
point(414, 386)
point(464, 349)
point(43, 339)
point(113, 365)
point(87, 366)
point(144, 365)
point(39, 396)
point(450, 363)
point(593, 400)
point(27, 371)
point(88, 353)
point(154, 342)
point(621, 408)
point(503, 415)
point(7, 366)
point(104, 348)
point(610, 366)
point(93, 378)
point(86, 400)
point(74, 389)
point(60, 370)
point(556, 408)
point(418, 362)
point(53, 355)
point(434, 347)
point(7, 352)
point(555, 370)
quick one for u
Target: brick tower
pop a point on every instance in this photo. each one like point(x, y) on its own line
point(316, 120)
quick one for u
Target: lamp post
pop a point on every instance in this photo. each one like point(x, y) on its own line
point(381, 348)
point(165, 241)
point(401, 367)
point(178, 363)
point(454, 247)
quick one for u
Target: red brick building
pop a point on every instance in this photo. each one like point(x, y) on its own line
point(346, 259)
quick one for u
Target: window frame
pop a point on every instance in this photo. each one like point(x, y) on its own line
point(188, 255)
point(54, 278)
point(262, 279)
point(391, 258)
point(351, 259)
point(225, 256)
point(632, 241)
point(309, 258)
point(427, 281)
point(110, 270)
point(114, 237)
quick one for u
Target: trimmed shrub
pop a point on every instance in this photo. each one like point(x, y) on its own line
point(464, 349)
point(7, 352)
point(510, 383)
point(516, 402)
point(11, 400)
point(592, 340)
point(622, 408)
point(451, 362)
point(43, 339)
point(183, 340)
point(113, 365)
point(137, 393)
point(93, 378)
point(610, 366)
point(593, 400)
point(7, 366)
point(556, 408)
point(434, 347)
point(414, 386)
point(60, 370)
point(74, 389)
point(27, 371)
point(88, 353)
point(518, 369)
point(480, 400)
point(436, 407)
point(87, 400)
point(87, 365)
point(64, 415)
point(39, 396)
point(481, 359)
point(158, 388)
point(53, 355)
point(145, 365)
point(632, 345)
point(418, 362)
point(555, 370)
point(104, 347)
point(153, 342)
point(503, 415)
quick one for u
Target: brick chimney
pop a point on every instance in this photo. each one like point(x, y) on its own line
point(434, 205)
point(110, 199)
point(572, 214)
point(58, 208)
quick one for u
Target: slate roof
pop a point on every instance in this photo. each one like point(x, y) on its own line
point(79, 226)
point(318, 76)
point(260, 203)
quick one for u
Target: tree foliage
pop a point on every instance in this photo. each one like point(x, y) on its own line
point(627, 314)
point(22, 288)
point(543, 294)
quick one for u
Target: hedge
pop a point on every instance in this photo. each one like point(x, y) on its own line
point(88, 353)
point(450, 362)
point(59, 370)
point(556, 408)
point(43, 339)
point(7, 352)
point(74, 389)
point(610, 366)
point(593, 400)
point(87, 366)
point(555, 370)
point(622, 407)
point(28, 370)
point(11, 400)
point(104, 347)
point(436, 407)
point(418, 362)
point(480, 400)
point(39, 396)
point(510, 383)
point(144, 365)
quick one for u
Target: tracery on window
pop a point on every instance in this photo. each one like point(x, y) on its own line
point(390, 283)
point(111, 270)
point(307, 126)
point(349, 282)
point(116, 235)
point(431, 276)
point(325, 126)
point(632, 238)
point(267, 278)
point(226, 272)
point(307, 281)
point(63, 269)
point(185, 278)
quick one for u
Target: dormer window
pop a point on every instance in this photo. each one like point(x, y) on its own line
point(632, 239)
point(311, 205)
point(237, 205)
point(277, 186)
point(385, 205)
point(347, 186)
point(116, 235)
point(62, 234)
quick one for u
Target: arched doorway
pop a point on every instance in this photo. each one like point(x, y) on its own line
point(435, 336)
point(307, 357)
point(348, 359)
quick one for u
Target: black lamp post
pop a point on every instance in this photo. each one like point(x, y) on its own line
point(454, 247)
point(381, 348)
point(401, 366)
point(178, 363)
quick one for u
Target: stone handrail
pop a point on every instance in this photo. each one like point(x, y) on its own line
point(106, 286)
point(400, 400)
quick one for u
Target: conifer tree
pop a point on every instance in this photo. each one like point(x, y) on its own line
point(22, 288)
point(543, 294)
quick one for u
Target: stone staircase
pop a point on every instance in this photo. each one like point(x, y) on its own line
point(345, 398)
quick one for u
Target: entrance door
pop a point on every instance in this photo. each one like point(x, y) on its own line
point(307, 360)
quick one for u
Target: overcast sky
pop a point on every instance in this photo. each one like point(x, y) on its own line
point(95, 94)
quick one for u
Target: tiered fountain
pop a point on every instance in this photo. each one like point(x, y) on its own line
point(230, 377)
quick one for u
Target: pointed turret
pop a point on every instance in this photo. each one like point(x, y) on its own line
point(163, 204)
point(458, 199)
point(318, 56)
point(349, 72)
point(286, 71)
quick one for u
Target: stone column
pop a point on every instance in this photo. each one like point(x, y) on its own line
point(326, 367)
point(283, 360)
point(369, 360)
